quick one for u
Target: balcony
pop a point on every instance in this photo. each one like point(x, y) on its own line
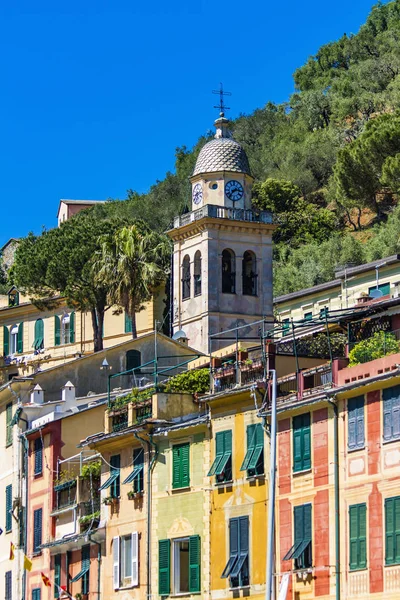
point(222, 212)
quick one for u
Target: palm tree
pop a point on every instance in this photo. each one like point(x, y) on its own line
point(132, 262)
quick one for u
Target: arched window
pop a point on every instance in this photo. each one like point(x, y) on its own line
point(38, 342)
point(13, 339)
point(133, 360)
point(249, 273)
point(228, 272)
point(186, 277)
point(197, 273)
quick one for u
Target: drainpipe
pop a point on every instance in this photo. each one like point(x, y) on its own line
point(24, 441)
point(337, 503)
point(99, 565)
point(150, 444)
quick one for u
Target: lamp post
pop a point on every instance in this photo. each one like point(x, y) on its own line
point(106, 367)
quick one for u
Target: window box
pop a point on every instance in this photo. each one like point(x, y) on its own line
point(134, 495)
point(111, 501)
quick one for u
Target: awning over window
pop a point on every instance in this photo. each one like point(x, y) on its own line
point(297, 549)
point(65, 485)
point(136, 471)
point(229, 566)
point(114, 476)
point(80, 574)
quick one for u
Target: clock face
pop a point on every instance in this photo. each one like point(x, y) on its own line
point(234, 190)
point(197, 194)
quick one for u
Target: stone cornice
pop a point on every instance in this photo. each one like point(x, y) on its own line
point(207, 223)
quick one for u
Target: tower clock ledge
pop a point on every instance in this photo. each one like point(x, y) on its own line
point(223, 212)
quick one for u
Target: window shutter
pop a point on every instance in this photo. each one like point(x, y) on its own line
point(20, 338)
point(306, 441)
point(244, 535)
point(135, 557)
point(57, 575)
point(353, 519)
point(116, 563)
point(307, 522)
point(115, 462)
point(228, 441)
point(8, 507)
point(39, 334)
point(352, 424)
point(72, 328)
point(164, 576)
point(362, 536)
point(57, 330)
point(396, 417)
point(360, 423)
point(251, 441)
point(8, 586)
point(298, 523)
point(185, 465)
point(36, 594)
point(37, 529)
point(389, 530)
point(234, 537)
point(6, 341)
point(128, 323)
point(194, 564)
point(38, 448)
point(176, 471)
point(297, 454)
point(9, 431)
point(396, 502)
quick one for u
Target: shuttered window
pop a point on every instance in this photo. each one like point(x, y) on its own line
point(237, 567)
point(57, 330)
point(285, 326)
point(8, 508)
point(301, 551)
point(194, 564)
point(8, 585)
point(128, 323)
point(85, 567)
point(72, 328)
point(20, 338)
point(180, 465)
point(222, 465)
point(116, 576)
point(115, 462)
point(164, 567)
point(38, 450)
point(301, 443)
point(57, 575)
point(355, 412)
point(254, 459)
point(38, 342)
point(358, 536)
point(392, 530)
point(391, 413)
point(37, 529)
point(36, 594)
point(6, 341)
point(9, 431)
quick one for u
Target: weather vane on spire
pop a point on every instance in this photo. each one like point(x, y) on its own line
point(221, 105)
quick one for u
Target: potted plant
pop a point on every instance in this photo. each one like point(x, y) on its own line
point(132, 495)
point(109, 500)
point(247, 365)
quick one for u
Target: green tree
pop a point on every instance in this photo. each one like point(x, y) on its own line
point(380, 344)
point(131, 263)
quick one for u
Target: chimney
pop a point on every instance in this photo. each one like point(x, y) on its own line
point(68, 395)
point(37, 396)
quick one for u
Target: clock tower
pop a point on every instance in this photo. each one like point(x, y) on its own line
point(222, 262)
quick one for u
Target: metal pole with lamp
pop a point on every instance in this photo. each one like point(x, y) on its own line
point(270, 588)
point(106, 367)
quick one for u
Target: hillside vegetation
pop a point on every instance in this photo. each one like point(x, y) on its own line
point(327, 161)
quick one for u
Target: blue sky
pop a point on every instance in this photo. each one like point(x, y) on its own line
point(96, 95)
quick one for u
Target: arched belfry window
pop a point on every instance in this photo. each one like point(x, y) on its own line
point(197, 273)
point(249, 273)
point(228, 272)
point(186, 277)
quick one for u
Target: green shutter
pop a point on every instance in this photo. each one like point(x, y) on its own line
point(38, 449)
point(57, 330)
point(358, 536)
point(8, 508)
point(37, 529)
point(115, 462)
point(392, 530)
point(251, 444)
point(301, 442)
point(20, 338)
point(72, 328)
point(219, 452)
point(297, 454)
point(258, 450)
point(194, 564)
point(39, 334)
point(164, 567)
point(57, 575)
point(128, 323)
point(298, 523)
point(6, 341)
point(36, 594)
point(180, 466)
point(9, 431)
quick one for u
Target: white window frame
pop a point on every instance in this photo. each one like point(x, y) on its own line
point(122, 580)
point(65, 333)
point(176, 566)
point(13, 339)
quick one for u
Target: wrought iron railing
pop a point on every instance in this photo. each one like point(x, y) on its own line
point(222, 212)
point(120, 421)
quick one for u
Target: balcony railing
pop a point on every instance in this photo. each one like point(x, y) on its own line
point(222, 212)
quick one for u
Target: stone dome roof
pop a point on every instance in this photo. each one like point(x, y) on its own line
point(222, 154)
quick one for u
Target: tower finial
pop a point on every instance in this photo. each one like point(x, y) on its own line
point(221, 105)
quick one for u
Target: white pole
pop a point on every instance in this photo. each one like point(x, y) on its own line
point(269, 588)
